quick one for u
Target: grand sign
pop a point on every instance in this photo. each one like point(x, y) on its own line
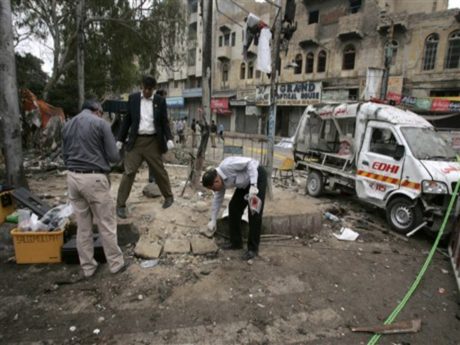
point(292, 94)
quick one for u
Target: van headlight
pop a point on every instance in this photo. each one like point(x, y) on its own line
point(434, 187)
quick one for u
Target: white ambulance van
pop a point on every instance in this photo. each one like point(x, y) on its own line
point(391, 158)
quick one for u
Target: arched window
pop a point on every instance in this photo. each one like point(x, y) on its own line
point(322, 56)
point(298, 60)
point(309, 62)
point(391, 50)
point(349, 55)
point(250, 69)
point(431, 48)
point(243, 70)
point(453, 51)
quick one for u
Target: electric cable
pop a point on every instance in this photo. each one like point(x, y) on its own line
point(375, 338)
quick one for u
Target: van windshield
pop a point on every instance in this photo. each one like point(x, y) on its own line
point(427, 144)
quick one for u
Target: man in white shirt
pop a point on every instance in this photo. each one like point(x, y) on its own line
point(250, 179)
point(146, 126)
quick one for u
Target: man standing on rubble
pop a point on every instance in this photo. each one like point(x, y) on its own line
point(88, 149)
point(149, 137)
point(250, 179)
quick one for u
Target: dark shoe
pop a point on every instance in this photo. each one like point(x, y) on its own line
point(168, 202)
point(231, 246)
point(121, 212)
point(249, 255)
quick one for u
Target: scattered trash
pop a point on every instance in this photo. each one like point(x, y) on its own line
point(260, 305)
point(444, 271)
point(346, 234)
point(149, 263)
point(441, 290)
point(331, 217)
point(140, 297)
point(72, 328)
point(412, 326)
point(97, 331)
point(100, 319)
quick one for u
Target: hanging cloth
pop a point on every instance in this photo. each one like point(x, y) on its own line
point(264, 61)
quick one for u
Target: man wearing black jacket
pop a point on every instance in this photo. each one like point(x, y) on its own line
point(149, 137)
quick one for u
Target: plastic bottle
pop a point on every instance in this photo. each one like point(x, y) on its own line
point(331, 217)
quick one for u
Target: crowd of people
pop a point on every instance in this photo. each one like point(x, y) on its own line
point(182, 133)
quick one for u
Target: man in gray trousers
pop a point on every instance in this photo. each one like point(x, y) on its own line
point(88, 149)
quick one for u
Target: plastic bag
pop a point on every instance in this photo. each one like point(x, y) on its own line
point(56, 218)
point(32, 224)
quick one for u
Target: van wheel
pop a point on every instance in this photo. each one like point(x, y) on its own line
point(404, 215)
point(315, 183)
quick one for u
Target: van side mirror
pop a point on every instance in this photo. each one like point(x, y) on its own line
point(399, 152)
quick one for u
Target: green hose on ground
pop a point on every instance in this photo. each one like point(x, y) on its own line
point(420, 275)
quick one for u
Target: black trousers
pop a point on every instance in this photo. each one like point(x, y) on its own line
point(236, 210)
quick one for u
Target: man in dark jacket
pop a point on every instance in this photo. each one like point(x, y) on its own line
point(149, 137)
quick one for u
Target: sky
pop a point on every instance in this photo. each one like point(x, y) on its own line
point(45, 54)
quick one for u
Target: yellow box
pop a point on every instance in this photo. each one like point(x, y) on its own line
point(6, 210)
point(37, 247)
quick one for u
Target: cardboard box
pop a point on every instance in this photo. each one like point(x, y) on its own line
point(37, 247)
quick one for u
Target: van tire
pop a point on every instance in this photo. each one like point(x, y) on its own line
point(315, 183)
point(404, 214)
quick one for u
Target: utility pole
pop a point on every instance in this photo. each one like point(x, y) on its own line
point(388, 56)
point(81, 52)
point(273, 92)
point(206, 50)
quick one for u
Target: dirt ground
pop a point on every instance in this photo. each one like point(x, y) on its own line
point(301, 290)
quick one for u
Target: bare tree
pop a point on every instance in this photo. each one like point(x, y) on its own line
point(9, 106)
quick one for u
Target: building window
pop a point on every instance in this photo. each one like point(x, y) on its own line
point(453, 51)
point(313, 17)
point(191, 59)
point(431, 48)
point(243, 70)
point(233, 39)
point(176, 84)
point(322, 56)
point(355, 6)
point(349, 54)
point(225, 68)
point(193, 6)
point(220, 41)
point(297, 64)
point(353, 94)
point(250, 69)
point(309, 62)
point(257, 74)
point(227, 40)
point(391, 49)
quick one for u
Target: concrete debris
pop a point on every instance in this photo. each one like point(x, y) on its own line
point(177, 246)
point(202, 246)
point(151, 190)
point(148, 250)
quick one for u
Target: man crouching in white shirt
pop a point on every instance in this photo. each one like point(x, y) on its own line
point(249, 179)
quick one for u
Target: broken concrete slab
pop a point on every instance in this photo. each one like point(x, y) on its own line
point(177, 246)
point(148, 250)
point(151, 191)
point(203, 246)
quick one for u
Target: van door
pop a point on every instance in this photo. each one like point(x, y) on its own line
point(379, 171)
